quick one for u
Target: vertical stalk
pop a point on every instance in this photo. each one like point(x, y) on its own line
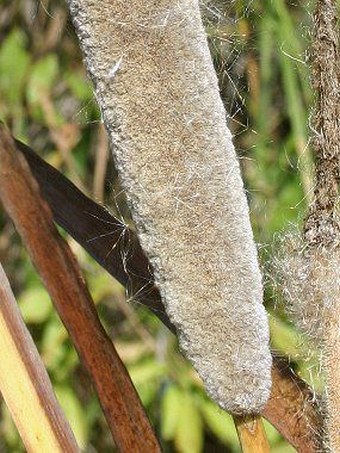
point(322, 229)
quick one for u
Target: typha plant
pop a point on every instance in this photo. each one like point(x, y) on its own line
point(310, 268)
point(157, 90)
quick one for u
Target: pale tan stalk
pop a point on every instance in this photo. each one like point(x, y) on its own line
point(25, 385)
point(252, 434)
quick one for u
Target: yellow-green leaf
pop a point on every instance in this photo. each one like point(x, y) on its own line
point(35, 305)
point(189, 430)
point(171, 407)
point(220, 424)
point(74, 413)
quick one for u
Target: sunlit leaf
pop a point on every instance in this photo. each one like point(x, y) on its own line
point(220, 424)
point(52, 345)
point(146, 371)
point(42, 78)
point(80, 86)
point(171, 406)
point(284, 338)
point(39, 90)
point(189, 430)
point(74, 413)
point(14, 63)
point(146, 378)
point(35, 305)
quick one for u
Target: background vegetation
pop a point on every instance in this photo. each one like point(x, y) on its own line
point(259, 49)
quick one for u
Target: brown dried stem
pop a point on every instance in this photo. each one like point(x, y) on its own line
point(59, 270)
point(293, 409)
point(290, 409)
point(322, 225)
point(322, 229)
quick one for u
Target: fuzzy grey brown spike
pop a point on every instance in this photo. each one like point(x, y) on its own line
point(158, 93)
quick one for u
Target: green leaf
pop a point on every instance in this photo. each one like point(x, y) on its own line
point(146, 371)
point(75, 414)
point(146, 378)
point(40, 84)
point(171, 406)
point(14, 62)
point(147, 393)
point(42, 78)
point(9, 430)
point(102, 285)
point(273, 435)
point(189, 430)
point(284, 338)
point(53, 348)
point(35, 305)
point(79, 86)
point(220, 424)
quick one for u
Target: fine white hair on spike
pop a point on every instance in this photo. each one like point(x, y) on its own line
point(113, 70)
point(309, 279)
point(178, 166)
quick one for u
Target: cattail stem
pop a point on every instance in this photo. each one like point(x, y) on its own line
point(25, 385)
point(331, 363)
point(322, 229)
point(252, 435)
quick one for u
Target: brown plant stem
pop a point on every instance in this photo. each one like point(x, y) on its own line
point(322, 228)
point(59, 270)
point(322, 225)
point(291, 408)
point(25, 385)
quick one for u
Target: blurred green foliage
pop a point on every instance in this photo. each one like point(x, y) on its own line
point(259, 50)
